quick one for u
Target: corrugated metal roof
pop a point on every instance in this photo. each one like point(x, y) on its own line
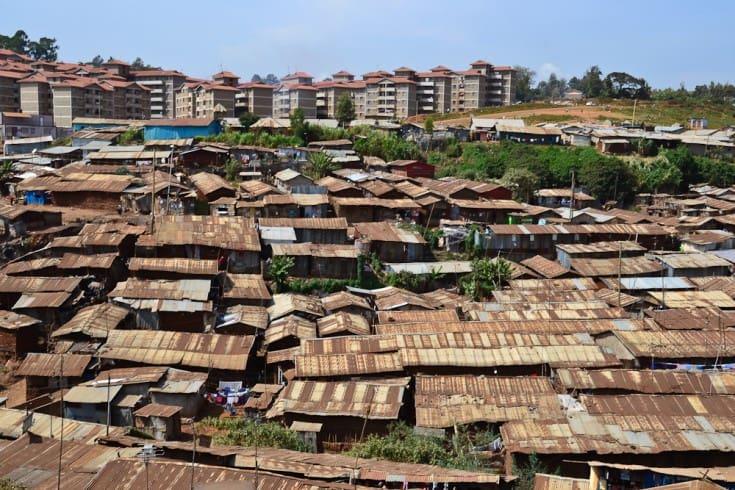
point(550, 269)
point(343, 323)
point(692, 299)
point(11, 424)
point(10, 320)
point(157, 410)
point(425, 317)
point(254, 316)
point(648, 381)
point(290, 326)
point(206, 183)
point(125, 376)
point(692, 261)
point(245, 286)
point(601, 247)
point(580, 284)
point(176, 265)
point(391, 298)
point(221, 232)
point(277, 233)
point(306, 223)
point(285, 304)
point(591, 327)
point(545, 314)
point(689, 405)
point(87, 261)
point(543, 296)
point(25, 266)
point(556, 482)
point(693, 318)
point(616, 298)
point(443, 401)
point(21, 284)
point(215, 351)
point(388, 232)
point(49, 365)
point(648, 283)
point(338, 202)
point(625, 266)
point(184, 289)
point(316, 250)
point(443, 267)
point(94, 321)
point(376, 399)
point(590, 230)
point(91, 394)
point(343, 299)
point(679, 344)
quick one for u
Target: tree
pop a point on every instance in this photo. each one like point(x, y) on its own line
point(609, 179)
point(690, 170)
point(429, 129)
point(247, 119)
point(720, 174)
point(591, 83)
point(238, 431)
point(44, 49)
point(625, 86)
point(97, 61)
point(521, 181)
point(524, 83)
point(140, 65)
point(299, 126)
point(526, 473)
point(256, 79)
point(659, 175)
point(271, 79)
point(7, 170)
point(233, 166)
point(278, 271)
point(487, 275)
point(345, 111)
point(319, 164)
point(18, 42)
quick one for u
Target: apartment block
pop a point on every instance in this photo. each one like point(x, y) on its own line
point(289, 97)
point(36, 96)
point(81, 98)
point(205, 100)
point(390, 98)
point(255, 98)
point(162, 85)
point(9, 90)
point(130, 100)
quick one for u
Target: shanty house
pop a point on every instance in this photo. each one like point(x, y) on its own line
point(180, 389)
point(320, 260)
point(90, 403)
point(312, 230)
point(163, 422)
point(411, 168)
point(390, 242)
point(210, 187)
point(694, 265)
point(365, 209)
point(19, 335)
point(18, 220)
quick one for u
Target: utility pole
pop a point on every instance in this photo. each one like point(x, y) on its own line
point(571, 202)
point(620, 269)
point(107, 428)
point(61, 434)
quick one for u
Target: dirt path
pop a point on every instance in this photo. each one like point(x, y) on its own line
point(581, 113)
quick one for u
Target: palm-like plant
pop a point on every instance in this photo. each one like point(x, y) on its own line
point(319, 165)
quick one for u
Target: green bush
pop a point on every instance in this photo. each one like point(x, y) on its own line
point(248, 432)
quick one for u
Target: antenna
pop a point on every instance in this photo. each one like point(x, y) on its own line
point(148, 452)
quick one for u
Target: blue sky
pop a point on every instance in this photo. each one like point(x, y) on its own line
point(666, 42)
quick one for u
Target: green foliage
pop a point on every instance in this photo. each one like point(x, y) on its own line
point(233, 166)
point(429, 125)
point(315, 284)
point(404, 280)
point(248, 432)
point(8, 484)
point(387, 146)
point(524, 83)
point(644, 147)
point(402, 444)
point(319, 164)
point(299, 127)
point(487, 275)
point(689, 167)
point(432, 236)
point(278, 271)
point(7, 169)
point(659, 175)
point(345, 111)
point(717, 173)
point(521, 181)
point(121, 171)
point(140, 65)
point(131, 136)
point(526, 472)
point(247, 119)
point(44, 49)
point(609, 179)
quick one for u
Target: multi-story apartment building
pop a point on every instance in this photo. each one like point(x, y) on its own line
point(205, 100)
point(482, 85)
point(289, 97)
point(226, 78)
point(83, 97)
point(9, 90)
point(255, 98)
point(163, 85)
point(390, 98)
point(35, 95)
point(130, 100)
point(434, 90)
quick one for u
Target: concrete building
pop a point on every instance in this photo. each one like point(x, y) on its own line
point(130, 100)
point(205, 100)
point(390, 98)
point(36, 96)
point(255, 98)
point(9, 92)
point(163, 85)
point(83, 97)
point(289, 97)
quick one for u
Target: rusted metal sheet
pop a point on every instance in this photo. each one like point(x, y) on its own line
point(343, 299)
point(41, 424)
point(341, 323)
point(550, 269)
point(616, 298)
point(648, 381)
point(350, 344)
point(549, 327)
point(306, 223)
point(35, 265)
point(347, 364)
point(22, 284)
point(548, 314)
point(693, 318)
point(9, 320)
point(316, 250)
point(286, 304)
point(245, 286)
point(262, 395)
point(693, 261)
point(392, 298)
point(542, 296)
point(197, 267)
point(556, 482)
point(185, 289)
point(221, 232)
point(157, 410)
point(290, 326)
point(615, 247)
point(379, 399)
point(215, 351)
point(415, 316)
point(90, 261)
point(207, 183)
point(49, 365)
point(720, 283)
point(42, 300)
point(254, 316)
point(625, 266)
point(690, 405)
point(441, 298)
point(692, 299)
point(388, 232)
point(443, 401)
point(576, 284)
point(94, 321)
point(679, 344)
point(123, 376)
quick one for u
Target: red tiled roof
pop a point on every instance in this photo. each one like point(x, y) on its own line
point(342, 73)
point(116, 62)
point(440, 68)
point(12, 74)
point(434, 74)
point(298, 74)
point(503, 68)
point(255, 85)
point(480, 62)
point(471, 73)
point(35, 78)
point(224, 74)
point(157, 73)
point(404, 68)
